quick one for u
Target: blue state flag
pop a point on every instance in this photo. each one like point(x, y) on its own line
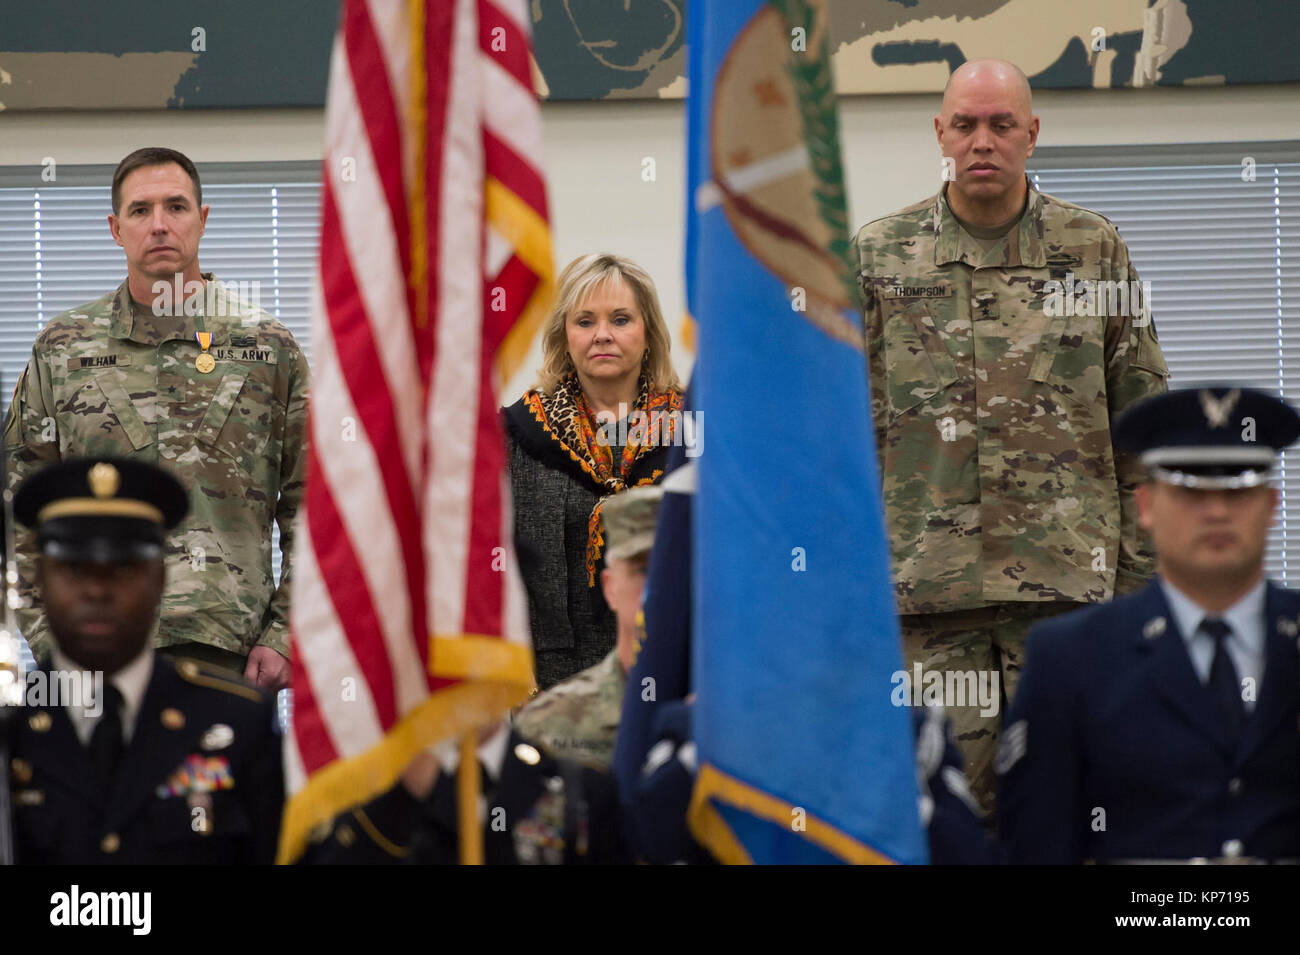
point(802, 756)
point(655, 706)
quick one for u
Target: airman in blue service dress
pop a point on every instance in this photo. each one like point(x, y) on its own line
point(122, 755)
point(1151, 728)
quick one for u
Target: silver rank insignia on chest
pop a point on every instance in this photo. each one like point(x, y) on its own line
point(217, 736)
point(1155, 627)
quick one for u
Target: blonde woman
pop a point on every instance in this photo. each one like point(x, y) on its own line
point(605, 410)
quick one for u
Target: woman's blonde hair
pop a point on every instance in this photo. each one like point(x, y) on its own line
point(579, 279)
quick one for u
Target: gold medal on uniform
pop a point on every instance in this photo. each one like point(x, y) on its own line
point(205, 362)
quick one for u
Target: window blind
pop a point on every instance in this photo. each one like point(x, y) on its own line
point(1215, 230)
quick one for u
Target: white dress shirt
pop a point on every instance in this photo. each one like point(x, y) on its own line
point(1245, 644)
point(131, 681)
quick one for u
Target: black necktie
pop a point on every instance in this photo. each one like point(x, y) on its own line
point(106, 739)
point(1225, 686)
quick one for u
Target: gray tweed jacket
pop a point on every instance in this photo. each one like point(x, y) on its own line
point(573, 628)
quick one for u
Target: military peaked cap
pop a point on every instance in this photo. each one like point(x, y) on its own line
point(100, 509)
point(1217, 436)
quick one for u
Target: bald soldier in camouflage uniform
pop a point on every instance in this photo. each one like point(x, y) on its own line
point(206, 384)
point(578, 718)
point(992, 393)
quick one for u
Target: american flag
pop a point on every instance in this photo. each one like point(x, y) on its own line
point(409, 619)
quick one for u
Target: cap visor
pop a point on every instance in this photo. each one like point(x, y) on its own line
point(1212, 482)
point(98, 550)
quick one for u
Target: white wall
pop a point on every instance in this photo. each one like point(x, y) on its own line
point(595, 153)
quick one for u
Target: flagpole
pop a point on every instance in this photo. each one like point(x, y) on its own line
point(467, 793)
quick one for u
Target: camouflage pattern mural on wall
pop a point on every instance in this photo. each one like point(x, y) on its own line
point(154, 54)
point(186, 54)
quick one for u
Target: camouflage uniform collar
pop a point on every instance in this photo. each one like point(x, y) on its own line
point(612, 680)
point(138, 325)
point(1022, 246)
point(611, 670)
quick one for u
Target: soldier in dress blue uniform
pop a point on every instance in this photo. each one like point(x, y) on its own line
point(122, 755)
point(537, 810)
point(1163, 726)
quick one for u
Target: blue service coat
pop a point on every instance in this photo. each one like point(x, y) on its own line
point(1112, 750)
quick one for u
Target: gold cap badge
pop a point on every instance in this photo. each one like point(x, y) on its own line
point(104, 480)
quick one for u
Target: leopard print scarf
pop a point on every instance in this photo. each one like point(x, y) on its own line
point(567, 416)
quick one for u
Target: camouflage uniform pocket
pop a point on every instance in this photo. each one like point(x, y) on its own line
point(1072, 362)
point(917, 364)
point(100, 418)
point(1146, 351)
point(17, 419)
point(238, 423)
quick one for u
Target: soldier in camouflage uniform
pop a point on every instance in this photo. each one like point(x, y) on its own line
point(578, 718)
point(993, 386)
point(204, 383)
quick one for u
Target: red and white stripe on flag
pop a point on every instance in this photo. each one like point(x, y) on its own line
point(409, 620)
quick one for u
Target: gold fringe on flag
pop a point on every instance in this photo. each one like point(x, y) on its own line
point(530, 236)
